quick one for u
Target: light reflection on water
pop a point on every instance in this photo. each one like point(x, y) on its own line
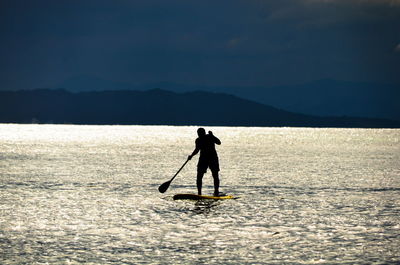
point(88, 194)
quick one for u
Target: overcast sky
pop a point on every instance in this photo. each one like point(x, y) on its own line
point(214, 43)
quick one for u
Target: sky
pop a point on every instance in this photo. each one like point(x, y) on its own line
point(211, 43)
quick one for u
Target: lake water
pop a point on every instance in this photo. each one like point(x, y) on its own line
point(88, 194)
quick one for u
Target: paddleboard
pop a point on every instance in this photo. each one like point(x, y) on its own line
point(187, 196)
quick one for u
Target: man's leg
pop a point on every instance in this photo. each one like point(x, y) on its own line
point(199, 181)
point(216, 182)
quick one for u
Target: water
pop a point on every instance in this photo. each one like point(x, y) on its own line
point(88, 194)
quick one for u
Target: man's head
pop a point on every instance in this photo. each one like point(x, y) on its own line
point(201, 132)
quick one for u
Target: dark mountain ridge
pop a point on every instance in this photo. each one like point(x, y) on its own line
point(159, 107)
point(324, 97)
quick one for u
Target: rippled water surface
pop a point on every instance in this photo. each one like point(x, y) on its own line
point(88, 194)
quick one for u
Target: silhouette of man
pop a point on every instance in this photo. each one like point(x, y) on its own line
point(205, 143)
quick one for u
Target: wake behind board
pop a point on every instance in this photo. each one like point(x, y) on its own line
point(188, 196)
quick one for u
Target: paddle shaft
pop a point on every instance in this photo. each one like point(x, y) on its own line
point(179, 170)
point(163, 188)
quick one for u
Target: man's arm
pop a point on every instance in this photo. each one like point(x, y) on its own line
point(195, 151)
point(216, 140)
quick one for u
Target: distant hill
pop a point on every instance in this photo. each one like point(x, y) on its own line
point(329, 98)
point(159, 107)
point(322, 97)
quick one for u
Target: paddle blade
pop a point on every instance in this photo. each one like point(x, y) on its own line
point(163, 187)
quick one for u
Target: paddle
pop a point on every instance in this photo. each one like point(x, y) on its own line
point(163, 187)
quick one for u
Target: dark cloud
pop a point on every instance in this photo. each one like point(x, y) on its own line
point(198, 42)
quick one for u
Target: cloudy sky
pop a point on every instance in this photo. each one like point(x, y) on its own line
point(214, 43)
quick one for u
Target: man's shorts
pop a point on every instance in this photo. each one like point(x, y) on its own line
point(205, 163)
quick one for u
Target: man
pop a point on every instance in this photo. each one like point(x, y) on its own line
point(205, 143)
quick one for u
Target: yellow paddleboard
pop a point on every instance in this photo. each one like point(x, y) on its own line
point(188, 196)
